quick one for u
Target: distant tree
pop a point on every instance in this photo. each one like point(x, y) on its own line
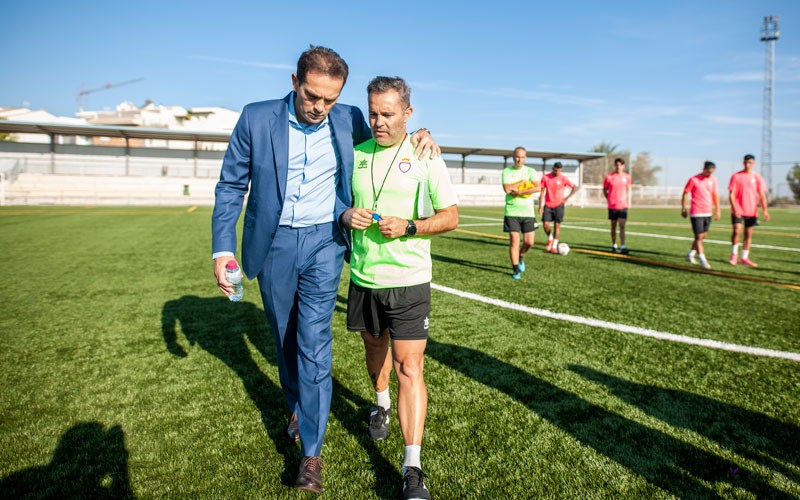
point(4, 136)
point(643, 171)
point(793, 178)
point(594, 171)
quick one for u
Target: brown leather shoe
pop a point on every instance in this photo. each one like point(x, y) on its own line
point(310, 476)
point(294, 430)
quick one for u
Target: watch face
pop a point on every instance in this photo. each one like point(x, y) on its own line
point(411, 229)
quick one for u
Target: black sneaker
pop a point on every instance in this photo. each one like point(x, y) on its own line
point(414, 486)
point(378, 423)
point(624, 251)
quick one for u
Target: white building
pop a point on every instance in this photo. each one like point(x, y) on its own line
point(42, 116)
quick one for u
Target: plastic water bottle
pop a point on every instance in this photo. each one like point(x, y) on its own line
point(234, 275)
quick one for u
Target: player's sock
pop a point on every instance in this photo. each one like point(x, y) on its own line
point(382, 399)
point(555, 243)
point(411, 459)
point(702, 257)
point(516, 268)
point(745, 254)
point(623, 247)
point(614, 246)
point(735, 249)
point(692, 252)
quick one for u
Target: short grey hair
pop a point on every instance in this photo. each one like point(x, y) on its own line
point(383, 84)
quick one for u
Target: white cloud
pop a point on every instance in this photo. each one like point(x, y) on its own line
point(751, 76)
point(252, 64)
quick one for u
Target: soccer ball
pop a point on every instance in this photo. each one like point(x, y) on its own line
point(563, 249)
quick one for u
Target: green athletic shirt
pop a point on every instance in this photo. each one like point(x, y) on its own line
point(413, 189)
point(517, 206)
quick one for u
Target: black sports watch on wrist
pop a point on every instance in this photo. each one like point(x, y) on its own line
point(411, 228)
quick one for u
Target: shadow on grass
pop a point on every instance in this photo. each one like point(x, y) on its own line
point(758, 437)
point(671, 464)
point(388, 479)
point(89, 462)
point(223, 329)
point(478, 239)
point(492, 268)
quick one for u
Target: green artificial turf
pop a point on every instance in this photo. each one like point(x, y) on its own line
point(126, 373)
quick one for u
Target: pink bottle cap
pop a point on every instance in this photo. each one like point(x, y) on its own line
point(231, 264)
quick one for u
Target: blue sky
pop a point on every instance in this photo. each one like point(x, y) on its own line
point(682, 80)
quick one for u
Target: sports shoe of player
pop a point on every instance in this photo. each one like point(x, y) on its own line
point(548, 246)
point(378, 423)
point(732, 260)
point(414, 484)
point(521, 266)
point(516, 276)
point(748, 262)
point(553, 250)
point(624, 251)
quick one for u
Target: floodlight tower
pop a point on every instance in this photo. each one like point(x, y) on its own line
point(769, 33)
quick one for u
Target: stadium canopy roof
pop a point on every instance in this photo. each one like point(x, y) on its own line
point(51, 129)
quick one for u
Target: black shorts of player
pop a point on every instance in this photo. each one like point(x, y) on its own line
point(513, 224)
point(700, 225)
point(404, 311)
point(617, 214)
point(747, 221)
point(553, 214)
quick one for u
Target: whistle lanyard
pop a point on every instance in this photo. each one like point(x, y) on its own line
point(375, 195)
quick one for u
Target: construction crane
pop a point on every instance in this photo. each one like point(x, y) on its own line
point(107, 86)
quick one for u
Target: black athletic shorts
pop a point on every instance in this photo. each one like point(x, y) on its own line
point(700, 225)
point(553, 214)
point(404, 311)
point(512, 224)
point(747, 221)
point(617, 214)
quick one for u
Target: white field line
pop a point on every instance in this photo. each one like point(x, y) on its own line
point(645, 332)
point(682, 238)
point(649, 235)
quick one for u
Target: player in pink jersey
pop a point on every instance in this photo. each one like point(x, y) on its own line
point(703, 190)
point(616, 187)
point(551, 204)
point(747, 189)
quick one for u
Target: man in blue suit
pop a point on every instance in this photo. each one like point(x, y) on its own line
point(296, 155)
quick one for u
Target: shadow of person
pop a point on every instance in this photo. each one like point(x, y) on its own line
point(671, 464)
point(89, 462)
point(388, 479)
point(754, 435)
point(493, 268)
point(223, 329)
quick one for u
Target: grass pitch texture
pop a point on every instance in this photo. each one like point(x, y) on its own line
point(126, 374)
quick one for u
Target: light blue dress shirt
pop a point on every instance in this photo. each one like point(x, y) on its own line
point(311, 183)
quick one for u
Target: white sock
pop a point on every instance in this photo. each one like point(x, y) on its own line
point(735, 249)
point(702, 257)
point(555, 243)
point(745, 254)
point(623, 246)
point(412, 456)
point(692, 252)
point(550, 237)
point(614, 246)
point(382, 399)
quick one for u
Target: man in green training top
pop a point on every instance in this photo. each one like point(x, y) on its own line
point(519, 183)
point(399, 202)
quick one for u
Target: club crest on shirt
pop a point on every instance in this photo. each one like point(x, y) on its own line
point(362, 164)
point(405, 165)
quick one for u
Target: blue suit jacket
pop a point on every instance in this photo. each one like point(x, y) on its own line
point(258, 155)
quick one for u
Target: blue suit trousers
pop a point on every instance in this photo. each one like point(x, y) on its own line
point(299, 283)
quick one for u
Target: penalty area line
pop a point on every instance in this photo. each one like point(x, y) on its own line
point(644, 332)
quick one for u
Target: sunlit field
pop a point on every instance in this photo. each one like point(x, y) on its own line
point(126, 373)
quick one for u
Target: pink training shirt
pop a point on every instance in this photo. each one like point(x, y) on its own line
point(617, 186)
point(747, 188)
point(555, 186)
point(702, 190)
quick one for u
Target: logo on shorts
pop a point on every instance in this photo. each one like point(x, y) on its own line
point(405, 165)
point(425, 323)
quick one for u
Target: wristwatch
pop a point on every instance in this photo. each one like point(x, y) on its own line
point(411, 228)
